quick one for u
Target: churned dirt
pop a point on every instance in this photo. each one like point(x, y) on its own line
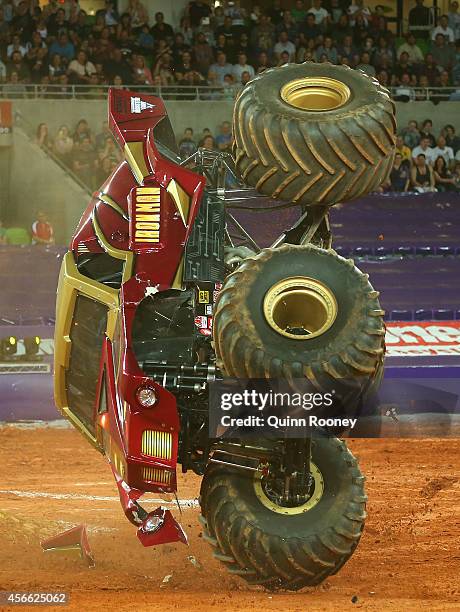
point(408, 558)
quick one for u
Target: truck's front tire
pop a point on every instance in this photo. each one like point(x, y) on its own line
point(280, 547)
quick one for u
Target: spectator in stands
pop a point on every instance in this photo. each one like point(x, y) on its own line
point(103, 135)
point(446, 85)
point(56, 68)
point(117, 66)
point(425, 93)
point(443, 53)
point(42, 230)
point(42, 138)
point(196, 10)
point(162, 30)
point(63, 144)
point(228, 90)
point(242, 66)
point(16, 46)
point(208, 143)
point(184, 64)
point(179, 47)
point(219, 69)
point(322, 17)
point(441, 149)
point(111, 16)
point(419, 20)
point(139, 15)
point(456, 66)
point(145, 39)
point(82, 131)
point(299, 12)
point(456, 175)
point(399, 179)
point(164, 70)
point(427, 131)
point(404, 91)
point(310, 30)
point(203, 54)
point(276, 12)
point(452, 140)
point(284, 44)
point(423, 149)
point(429, 69)
point(288, 25)
point(422, 177)
point(63, 47)
point(223, 140)
point(357, 11)
point(443, 177)
point(444, 29)
point(365, 65)
point(263, 34)
point(19, 66)
point(187, 144)
point(141, 74)
point(453, 17)
point(328, 49)
point(414, 53)
point(84, 161)
point(2, 72)
point(403, 149)
point(80, 69)
point(348, 50)
point(383, 54)
point(14, 88)
point(109, 150)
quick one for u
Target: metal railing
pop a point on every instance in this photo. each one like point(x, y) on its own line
point(99, 92)
point(427, 94)
point(181, 92)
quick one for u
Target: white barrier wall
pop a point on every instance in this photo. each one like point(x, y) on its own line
point(37, 182)
point(204, 114)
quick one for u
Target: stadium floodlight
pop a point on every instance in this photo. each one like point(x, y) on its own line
point(8, 346)
point(31, 345)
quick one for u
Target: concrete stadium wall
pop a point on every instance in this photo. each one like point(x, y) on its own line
point(43, 185)
point(204, 114)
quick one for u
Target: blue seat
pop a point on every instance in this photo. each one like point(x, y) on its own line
point(401, 315)
point(424, 250)
point(443, 314)
point(445, 250)
point(362, 251)
point(423, 314)
point(383, 251)
point(405, 250)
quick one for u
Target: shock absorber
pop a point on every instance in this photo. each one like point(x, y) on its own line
point(175, 377)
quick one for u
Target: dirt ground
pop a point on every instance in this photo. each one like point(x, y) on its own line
point(408, 559)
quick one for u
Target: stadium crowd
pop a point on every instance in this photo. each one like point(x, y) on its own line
point(222, 47)
point(424, 161)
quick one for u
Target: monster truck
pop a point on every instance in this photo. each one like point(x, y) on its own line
point(163, 291)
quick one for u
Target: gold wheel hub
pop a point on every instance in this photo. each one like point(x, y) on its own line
point(318, 490)
point(300, 308)
point(315, 93)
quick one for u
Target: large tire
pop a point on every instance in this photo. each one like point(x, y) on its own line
point(248, 345)
point(283, 551)
point(340, 151)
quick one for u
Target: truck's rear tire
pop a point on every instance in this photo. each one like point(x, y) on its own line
point(300, 311)
point(286, 548)
point(314, 133)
